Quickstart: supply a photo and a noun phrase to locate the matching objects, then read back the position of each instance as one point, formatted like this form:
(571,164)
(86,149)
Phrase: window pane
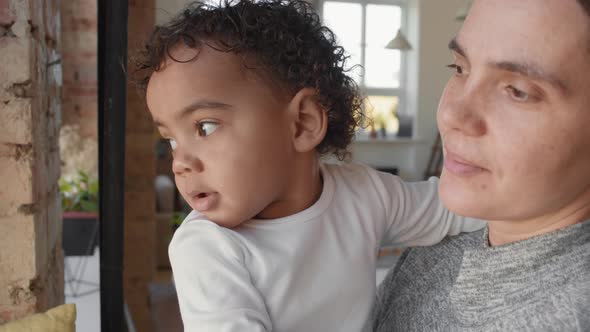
(345,20)
(382,110)
(382,66)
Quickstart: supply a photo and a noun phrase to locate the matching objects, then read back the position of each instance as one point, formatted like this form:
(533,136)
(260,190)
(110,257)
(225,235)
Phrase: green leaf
(65,187)
(79,193)
(89,206)
(93,187)
(177,218)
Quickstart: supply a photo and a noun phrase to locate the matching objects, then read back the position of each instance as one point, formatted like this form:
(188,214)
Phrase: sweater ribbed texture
(462,284)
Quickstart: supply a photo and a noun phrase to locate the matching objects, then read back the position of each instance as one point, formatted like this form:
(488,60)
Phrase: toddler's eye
(172,144)
(206,128)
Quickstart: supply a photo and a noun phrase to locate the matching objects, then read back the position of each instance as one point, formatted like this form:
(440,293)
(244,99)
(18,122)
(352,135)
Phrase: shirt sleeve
(415,215)
(214,287)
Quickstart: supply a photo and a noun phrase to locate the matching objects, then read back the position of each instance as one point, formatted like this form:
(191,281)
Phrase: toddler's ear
(309,120)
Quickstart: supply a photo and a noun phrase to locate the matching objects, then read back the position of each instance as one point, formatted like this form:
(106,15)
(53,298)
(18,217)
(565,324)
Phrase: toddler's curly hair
(286,38)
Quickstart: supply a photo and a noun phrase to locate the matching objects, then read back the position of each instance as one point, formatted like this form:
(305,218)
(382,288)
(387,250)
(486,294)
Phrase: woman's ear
(309,120)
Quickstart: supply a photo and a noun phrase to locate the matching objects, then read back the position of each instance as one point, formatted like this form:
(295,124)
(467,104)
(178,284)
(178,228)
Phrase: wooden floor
(164,304)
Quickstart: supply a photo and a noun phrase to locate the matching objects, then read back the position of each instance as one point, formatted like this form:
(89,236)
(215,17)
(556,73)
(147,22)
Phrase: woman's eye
(517,94)
(458,69)
(206,128)
(172,144)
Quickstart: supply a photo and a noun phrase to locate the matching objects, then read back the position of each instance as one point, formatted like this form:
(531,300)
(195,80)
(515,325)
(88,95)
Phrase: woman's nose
(461,110)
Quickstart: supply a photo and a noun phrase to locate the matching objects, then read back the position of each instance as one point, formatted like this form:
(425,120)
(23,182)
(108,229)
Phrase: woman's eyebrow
(456,47)
(526,69)
(532,71)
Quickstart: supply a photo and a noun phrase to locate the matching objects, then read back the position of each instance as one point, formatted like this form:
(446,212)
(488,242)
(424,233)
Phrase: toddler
(251,95)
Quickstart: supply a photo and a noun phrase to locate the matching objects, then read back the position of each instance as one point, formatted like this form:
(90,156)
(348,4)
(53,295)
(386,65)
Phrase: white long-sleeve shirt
(311,271)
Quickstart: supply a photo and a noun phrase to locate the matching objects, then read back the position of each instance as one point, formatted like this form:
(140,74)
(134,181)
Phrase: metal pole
(112,61)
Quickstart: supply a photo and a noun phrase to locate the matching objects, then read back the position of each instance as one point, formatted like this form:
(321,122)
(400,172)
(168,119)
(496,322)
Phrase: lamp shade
(399,42)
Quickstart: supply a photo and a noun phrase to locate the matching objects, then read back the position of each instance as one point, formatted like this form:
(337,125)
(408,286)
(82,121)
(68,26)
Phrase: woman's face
(515,116)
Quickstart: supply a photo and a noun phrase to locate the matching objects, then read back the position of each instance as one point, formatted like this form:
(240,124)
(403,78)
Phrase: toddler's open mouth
(203,201)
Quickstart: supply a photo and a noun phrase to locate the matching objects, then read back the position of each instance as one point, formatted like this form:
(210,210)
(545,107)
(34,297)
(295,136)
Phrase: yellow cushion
(58,319)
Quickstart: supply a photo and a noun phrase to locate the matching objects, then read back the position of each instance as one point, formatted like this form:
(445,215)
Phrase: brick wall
(31,259)
(79,54)
(79,137)
(140,260)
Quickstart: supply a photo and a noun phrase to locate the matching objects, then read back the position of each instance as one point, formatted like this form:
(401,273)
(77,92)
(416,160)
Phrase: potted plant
(79,198)
(177,219)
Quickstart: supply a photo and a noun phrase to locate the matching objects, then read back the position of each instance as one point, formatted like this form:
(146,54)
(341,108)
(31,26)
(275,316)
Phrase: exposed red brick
(82,23)
(82,90)
(7,15)
(139,190)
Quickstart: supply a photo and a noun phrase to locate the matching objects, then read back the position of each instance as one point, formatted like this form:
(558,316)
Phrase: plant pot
(80,233)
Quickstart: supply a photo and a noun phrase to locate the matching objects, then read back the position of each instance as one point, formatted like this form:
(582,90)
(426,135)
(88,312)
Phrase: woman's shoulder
(437,264)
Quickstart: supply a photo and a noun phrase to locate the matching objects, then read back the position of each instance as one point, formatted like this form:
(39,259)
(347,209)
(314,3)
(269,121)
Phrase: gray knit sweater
(462,284)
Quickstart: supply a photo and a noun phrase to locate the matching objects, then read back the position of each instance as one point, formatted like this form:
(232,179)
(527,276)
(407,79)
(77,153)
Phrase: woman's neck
(504,232)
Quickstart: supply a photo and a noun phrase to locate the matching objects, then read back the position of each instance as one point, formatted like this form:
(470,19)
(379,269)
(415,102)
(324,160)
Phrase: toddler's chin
(223,219)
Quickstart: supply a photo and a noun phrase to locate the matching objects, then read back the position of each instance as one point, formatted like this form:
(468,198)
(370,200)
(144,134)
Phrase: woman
(514,121)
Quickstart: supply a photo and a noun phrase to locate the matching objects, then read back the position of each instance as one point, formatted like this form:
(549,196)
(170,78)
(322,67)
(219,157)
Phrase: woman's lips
(460,166)
(203,201)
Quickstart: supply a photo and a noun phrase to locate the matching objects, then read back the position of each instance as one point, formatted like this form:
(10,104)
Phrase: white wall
(431,24)
(166,9)
(437,26)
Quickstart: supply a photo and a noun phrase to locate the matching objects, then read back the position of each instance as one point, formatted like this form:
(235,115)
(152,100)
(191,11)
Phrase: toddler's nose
(184,163)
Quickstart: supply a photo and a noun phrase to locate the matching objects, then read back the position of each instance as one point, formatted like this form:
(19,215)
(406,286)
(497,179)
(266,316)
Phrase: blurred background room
(50,242)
